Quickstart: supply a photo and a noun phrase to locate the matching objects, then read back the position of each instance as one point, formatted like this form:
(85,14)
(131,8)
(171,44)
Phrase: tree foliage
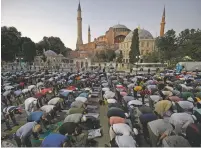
(152,57)
(10,43)
(13,45)
(135,51)
(52,43)
(174,48)
(105,56)
(29,50)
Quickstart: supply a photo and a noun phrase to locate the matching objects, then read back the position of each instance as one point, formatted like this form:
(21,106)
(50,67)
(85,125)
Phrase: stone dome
(50,53)
(143,34)
(119,26)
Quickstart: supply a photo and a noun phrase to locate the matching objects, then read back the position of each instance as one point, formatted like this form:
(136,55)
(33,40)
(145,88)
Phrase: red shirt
(21,83)
(115,120)
(145,92)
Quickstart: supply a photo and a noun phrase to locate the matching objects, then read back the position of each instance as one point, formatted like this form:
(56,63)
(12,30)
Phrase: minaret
(89,35)
(79,27)
(162,24)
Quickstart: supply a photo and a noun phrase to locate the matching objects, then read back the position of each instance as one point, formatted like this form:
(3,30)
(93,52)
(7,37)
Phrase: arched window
(147,44)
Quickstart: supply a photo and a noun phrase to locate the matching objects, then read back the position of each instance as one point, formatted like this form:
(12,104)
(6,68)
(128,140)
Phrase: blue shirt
(54,140)
(25,130)
(145,118)
(35,116)
(83,95)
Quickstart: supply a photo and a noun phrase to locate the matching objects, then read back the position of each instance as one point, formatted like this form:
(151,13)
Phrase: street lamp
(137,57)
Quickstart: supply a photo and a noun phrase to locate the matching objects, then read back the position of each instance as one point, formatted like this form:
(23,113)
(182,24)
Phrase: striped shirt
(9,109)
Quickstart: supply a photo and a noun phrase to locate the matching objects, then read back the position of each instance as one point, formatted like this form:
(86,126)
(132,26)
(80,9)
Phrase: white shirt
(25,90)
(31,87)
(39,84)
(181,121)
(111,100)
(109,94)
(29,103)
(6,93)
(125,141)
(134,102)
(160,126)
(105,89)
(186,105)
(47,108)
(82,99)
(54,101)
(121,128)
(150,87)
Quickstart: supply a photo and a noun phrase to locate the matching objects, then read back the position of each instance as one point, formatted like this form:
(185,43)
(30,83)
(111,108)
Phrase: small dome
(143,34)
(119,26)
(60,55)
(50,53)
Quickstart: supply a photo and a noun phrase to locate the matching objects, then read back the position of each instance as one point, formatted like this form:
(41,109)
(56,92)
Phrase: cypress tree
(135,51)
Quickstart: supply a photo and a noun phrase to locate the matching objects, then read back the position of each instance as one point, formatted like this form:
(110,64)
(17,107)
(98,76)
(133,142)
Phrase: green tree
(102,55)
(110,55)
(152,57)
(10,43)
(52,43)
(167,46)
(29,50)
(135,51)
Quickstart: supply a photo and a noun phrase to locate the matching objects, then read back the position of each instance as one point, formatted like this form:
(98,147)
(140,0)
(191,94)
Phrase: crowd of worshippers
(81,123)
(165,109)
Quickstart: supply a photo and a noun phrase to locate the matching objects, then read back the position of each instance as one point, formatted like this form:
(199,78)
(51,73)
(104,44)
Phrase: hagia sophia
(117,37)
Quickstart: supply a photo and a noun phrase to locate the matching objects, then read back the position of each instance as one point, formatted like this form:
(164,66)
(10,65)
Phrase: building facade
(146,44)
(116,37)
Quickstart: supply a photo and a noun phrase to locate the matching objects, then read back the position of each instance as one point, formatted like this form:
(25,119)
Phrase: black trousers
(27,142)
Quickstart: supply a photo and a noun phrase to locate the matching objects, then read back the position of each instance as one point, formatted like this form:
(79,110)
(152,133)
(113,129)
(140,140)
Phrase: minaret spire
(79,7)
(162,29)
(79,27)
(89,34)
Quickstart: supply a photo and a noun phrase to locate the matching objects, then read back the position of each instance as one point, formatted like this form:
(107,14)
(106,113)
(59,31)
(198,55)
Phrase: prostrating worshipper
(123,141)
(56,140)
(144,120)
(76,111)
(78,104)
(50,110)
(23,134)
(193,134)
(158,130)
(120,129)
(39,117)
(185,106)
(30,105)
(57,102)
(114,111)
(180,121)
(9,112)
(162,107)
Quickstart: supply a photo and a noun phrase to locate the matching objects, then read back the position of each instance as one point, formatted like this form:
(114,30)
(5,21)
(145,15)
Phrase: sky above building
(39,18)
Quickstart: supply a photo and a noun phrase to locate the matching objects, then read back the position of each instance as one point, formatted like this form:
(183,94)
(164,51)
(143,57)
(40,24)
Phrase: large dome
(50,53)
(143,34)
(119,26)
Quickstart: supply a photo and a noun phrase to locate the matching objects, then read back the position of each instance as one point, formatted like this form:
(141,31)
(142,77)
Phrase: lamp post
(137,57)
